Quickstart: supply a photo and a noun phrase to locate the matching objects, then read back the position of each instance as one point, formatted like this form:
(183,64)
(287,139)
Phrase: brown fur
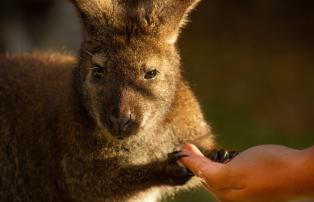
(55,142)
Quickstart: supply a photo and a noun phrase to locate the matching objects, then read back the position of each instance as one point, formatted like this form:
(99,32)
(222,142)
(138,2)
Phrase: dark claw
(221,155)
(233,154)
(175,156)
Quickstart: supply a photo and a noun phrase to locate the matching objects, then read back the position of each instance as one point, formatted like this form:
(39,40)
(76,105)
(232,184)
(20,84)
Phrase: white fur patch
(151,195)
(172,39)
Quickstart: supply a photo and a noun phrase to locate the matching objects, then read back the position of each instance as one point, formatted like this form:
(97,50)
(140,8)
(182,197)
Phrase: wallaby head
(129,67)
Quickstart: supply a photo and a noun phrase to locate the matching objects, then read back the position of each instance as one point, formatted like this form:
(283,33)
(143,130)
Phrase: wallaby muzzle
(121,124)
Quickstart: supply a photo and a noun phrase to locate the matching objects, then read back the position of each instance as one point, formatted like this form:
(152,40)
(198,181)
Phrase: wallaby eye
(151,74)
(98,72)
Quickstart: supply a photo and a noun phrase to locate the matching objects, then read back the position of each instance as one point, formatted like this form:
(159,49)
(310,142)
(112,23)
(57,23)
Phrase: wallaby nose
(121,124)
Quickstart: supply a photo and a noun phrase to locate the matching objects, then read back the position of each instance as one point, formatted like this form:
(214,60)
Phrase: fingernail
(183,155)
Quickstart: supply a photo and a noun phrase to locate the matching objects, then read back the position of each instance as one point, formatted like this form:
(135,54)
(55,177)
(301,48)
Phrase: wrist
(299,174)
(304,175)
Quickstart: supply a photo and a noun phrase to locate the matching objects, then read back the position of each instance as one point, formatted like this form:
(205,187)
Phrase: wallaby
(100,127)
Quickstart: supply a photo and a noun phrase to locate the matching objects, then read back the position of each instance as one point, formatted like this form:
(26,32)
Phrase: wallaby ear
(96,13)
(160,18)
(173,15)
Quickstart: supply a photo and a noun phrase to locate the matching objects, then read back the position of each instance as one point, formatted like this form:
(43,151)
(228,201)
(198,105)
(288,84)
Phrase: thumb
(198,164)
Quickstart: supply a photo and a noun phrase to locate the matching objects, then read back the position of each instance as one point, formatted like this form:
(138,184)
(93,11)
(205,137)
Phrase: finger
(198,164)
(191,149)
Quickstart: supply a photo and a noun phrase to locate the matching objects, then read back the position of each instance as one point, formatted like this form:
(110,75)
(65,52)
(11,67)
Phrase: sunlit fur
(55,142)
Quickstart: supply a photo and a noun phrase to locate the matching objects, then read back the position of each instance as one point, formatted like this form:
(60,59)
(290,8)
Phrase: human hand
(259,174)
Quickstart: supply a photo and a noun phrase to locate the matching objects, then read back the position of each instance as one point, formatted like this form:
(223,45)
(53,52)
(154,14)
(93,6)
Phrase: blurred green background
(250,62)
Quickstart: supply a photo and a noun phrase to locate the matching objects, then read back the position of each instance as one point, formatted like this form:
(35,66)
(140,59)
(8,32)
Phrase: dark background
(250,63)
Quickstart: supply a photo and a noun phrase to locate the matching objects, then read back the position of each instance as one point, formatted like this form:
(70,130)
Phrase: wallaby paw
(177,173)
(221,155)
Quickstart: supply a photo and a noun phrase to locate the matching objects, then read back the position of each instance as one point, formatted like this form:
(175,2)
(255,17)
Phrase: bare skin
(262,173)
